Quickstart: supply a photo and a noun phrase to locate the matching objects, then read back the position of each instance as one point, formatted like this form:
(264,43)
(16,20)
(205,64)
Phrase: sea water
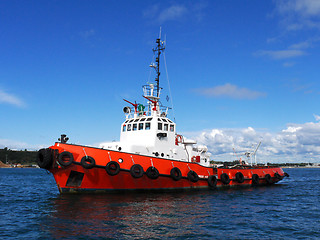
(32,208)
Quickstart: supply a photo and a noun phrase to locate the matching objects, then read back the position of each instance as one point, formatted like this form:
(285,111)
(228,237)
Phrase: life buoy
(268,178)
(255,179)
(193,176)
(178,139)
(45,158)
(278,176)
(65,159)
(136,171)
(225,178)
(152,173)
(88,162)
(175,174)
(193,159)
(112,168)
(212,181)
(239,177)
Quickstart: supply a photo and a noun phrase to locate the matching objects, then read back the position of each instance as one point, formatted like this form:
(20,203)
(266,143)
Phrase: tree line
(23,157)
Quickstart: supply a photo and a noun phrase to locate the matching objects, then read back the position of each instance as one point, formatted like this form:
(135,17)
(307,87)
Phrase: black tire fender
(136,171)
(65,159)
(88,162)
(255,179)
(268,178)
(225,178)
(112,168)
(175,174)
(193,176)
(152,172)
(45,158)
(212,181)
(239,177)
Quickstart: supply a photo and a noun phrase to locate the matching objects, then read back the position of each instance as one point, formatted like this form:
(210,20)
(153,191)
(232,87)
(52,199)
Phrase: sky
(240,72)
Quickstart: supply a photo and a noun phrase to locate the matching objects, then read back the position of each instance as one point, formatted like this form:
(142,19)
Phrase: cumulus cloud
(10,99)
(230,91)
(295,143)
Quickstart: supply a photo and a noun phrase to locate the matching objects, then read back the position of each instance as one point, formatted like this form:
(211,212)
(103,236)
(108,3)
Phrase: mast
(160,47)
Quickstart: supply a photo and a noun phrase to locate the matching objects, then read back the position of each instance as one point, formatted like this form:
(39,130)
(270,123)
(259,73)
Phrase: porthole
(120,160)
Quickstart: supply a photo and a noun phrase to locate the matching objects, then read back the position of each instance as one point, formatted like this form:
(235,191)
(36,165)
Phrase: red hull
(78,178)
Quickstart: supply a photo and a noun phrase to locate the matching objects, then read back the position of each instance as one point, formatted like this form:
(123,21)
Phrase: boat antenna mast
(160,47)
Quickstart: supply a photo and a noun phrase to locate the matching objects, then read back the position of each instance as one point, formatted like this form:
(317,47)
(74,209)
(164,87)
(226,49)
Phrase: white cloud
(172,13)
(281,54)
(10,99)
(88,33)
(295,143)
(230,91)
(299,14)
(13,144)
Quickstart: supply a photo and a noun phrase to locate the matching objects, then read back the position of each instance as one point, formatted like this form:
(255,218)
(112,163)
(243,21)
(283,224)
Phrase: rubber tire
(112,168)
(175,174)
(193,176)
(255,179)
(268,178)
(212,181)
(136,171)
(225,178)
(88,162)
(239,177)
(278,176)
(44,158)
(61,160)
(152,173)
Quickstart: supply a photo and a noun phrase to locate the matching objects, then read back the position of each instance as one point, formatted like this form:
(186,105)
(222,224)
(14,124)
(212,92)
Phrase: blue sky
(240,72)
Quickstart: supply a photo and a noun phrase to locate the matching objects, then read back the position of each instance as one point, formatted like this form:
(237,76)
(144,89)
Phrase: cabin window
(129,127)
(124,128)
(159,126)
(136,120)
(142,119)
(140,126)
(165,127)
(131,121)
(126,121)
(171,128)
(164,120)
(169,121)
(149,119)
(148,126)
(159,120)
(134,127)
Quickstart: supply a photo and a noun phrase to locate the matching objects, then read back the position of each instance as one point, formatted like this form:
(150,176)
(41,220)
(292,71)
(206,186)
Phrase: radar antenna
(160,47)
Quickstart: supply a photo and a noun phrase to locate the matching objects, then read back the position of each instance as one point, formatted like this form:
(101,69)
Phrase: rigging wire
(165,64)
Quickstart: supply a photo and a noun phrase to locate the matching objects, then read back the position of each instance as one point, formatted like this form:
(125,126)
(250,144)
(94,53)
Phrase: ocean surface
(32,208)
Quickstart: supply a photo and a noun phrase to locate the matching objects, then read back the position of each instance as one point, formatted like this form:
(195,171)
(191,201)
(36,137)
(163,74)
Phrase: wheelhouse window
(134,127)
(129,127)
(142,119)
(140,127)
(148,126)
(165,127)
(159,126)
(171,128)
(149,119)
(124,128)
(136,120)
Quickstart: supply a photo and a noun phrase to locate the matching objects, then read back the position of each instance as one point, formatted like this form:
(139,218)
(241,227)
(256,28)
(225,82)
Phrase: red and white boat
(149,156)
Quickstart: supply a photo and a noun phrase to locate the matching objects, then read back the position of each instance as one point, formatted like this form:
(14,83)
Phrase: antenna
(160,47)
(254,153)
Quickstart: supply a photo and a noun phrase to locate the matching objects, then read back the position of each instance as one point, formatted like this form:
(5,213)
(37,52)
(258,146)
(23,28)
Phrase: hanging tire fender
(268,178)
(136,171)
(239,177)
(152,172)
(255,179)
(193,176)
(212,181)
(88,162)
(112,168)
(45,158)
(225,178)
(175,174)
(65,159)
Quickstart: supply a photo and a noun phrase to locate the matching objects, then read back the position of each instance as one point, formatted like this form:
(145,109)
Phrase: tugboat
(149,156)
